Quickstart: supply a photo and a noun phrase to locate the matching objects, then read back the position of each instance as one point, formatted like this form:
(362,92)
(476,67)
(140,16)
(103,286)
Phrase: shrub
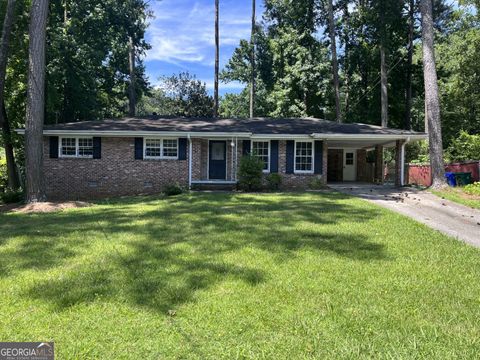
(316,184)
(473,189)
(465,147)
(274,181)
(3,176)
(418,152)
(172,190)
(11,196)
(250,173)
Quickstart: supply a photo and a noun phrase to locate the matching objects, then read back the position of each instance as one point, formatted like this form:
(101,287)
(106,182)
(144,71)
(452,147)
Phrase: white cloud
(182,32)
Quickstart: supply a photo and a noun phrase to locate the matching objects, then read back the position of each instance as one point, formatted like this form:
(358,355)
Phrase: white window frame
(267,170)
(295,158)
(77,147)
(161,157)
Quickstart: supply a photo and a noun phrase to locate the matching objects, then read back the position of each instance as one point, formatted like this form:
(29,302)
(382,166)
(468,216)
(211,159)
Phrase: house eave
(123,133)
(193,134)
(377,137)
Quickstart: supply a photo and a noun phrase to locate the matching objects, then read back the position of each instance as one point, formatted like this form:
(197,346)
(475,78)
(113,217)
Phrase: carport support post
(379,164)
(399,163)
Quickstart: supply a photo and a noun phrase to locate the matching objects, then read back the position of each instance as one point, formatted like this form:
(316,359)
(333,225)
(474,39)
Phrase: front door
(217,160)
(349,165)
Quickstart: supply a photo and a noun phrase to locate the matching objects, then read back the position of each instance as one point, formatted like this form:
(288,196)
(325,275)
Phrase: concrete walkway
(458,221)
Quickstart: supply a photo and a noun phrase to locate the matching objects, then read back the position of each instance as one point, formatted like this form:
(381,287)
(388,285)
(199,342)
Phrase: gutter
(123,133)
(385,137)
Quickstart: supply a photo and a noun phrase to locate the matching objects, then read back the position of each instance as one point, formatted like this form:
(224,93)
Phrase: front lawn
(459,196)
(211,276)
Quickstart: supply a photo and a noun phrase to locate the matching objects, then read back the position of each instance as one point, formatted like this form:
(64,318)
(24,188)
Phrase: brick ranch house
(131,156)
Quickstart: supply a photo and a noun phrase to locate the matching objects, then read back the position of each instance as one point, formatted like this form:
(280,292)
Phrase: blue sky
(182,37)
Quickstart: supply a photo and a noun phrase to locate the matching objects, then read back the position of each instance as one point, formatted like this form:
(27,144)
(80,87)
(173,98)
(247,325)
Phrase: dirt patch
(43,207)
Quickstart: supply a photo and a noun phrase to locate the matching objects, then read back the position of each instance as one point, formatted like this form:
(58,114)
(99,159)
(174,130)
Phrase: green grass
(459,196)
(226,276)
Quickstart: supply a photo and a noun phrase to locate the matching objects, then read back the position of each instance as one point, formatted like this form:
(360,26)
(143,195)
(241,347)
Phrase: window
(76,147)
(161,148)
(303,157)
(261,149)
(348,158)
(85,147)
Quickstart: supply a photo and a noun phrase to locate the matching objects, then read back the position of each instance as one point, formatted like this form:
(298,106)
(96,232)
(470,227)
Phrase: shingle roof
(267,126)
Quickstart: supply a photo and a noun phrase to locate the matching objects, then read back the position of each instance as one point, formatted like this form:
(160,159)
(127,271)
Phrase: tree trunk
(383,70)
(131,86)
(336,83)
(408,95)
(13,180)
(252,60)
(217,54)
(432,101)
(35,102)
(346,16)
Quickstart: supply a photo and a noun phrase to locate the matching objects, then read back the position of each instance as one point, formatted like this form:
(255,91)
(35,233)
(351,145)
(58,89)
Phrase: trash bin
(463,178)
(451,179)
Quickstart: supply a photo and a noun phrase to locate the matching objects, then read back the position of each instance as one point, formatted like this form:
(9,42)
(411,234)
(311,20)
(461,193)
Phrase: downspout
(232,165)
(236,158)
(190,152)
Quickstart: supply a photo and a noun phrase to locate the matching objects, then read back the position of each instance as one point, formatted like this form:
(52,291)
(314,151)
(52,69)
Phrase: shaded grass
(459,196)
(209,276)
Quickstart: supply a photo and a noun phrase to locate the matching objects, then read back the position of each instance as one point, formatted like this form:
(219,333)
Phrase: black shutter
(182,149)
(97,147)
(274,156)
(138,148)
(246,148)
(53,147)
(290,156)
(318,166)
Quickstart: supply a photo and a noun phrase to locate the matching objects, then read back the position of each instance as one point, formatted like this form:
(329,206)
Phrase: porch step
(214,185)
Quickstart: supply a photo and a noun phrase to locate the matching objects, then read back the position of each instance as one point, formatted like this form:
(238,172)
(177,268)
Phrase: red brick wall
(362,165)
(117,173)
(298,181)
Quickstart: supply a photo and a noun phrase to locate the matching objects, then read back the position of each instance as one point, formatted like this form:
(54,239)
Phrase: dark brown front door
(335,165)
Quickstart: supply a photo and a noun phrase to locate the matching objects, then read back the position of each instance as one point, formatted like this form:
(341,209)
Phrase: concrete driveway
(458,221)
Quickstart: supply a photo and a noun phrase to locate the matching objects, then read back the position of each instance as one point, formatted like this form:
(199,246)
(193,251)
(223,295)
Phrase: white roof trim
(194,134)
(369,136)
(124,133)
(281,136)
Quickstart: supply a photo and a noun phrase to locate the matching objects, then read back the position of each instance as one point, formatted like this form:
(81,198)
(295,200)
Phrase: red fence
(420,174)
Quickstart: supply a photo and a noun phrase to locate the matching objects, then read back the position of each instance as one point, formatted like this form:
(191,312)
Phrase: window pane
(348,158)
(153,147)
(68,147)
(303,156)
(260,149)
(170,148)
(218,151)
(85,147)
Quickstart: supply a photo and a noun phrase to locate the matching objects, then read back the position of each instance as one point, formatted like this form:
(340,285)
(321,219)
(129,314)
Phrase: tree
(333,44)
(217,64)
(35,188)
(408,95)
(131,86)
(432,100)
(252,55)
(383,67)
(13,180)
(178,95)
